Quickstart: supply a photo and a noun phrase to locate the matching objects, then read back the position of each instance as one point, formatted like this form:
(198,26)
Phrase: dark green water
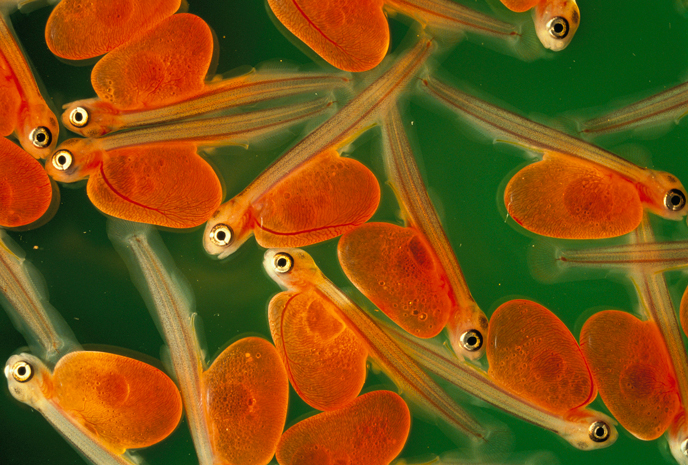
(622,49)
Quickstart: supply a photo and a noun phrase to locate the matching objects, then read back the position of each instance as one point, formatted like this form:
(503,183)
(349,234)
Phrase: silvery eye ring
(598,431)
(684,447)
(471,340)
(22,371)
(78,117)
(41,137)
(282,262)
(221,235)
(675,200)
(558,27)
(62,160)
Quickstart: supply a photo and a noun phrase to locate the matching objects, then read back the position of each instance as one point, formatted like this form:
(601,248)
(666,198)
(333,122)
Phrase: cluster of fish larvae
(156,109)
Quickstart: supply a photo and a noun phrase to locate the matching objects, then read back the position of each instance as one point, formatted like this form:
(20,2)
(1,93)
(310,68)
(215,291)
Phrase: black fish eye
(558,27)
(675,200)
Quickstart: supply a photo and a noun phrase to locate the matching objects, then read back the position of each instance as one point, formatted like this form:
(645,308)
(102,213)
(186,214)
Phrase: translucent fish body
(466,319)
(295,270)
(659,192)
(76,159)
(357,116)
(96,117)
(26,113)
(583,428)
(170,300)
(354,35)
(24,296)
(669,105)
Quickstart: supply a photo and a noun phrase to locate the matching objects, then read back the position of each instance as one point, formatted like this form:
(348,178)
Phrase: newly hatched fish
(243,430)
(24,109)
(155,174)
(97,117)
(296,272)
(412,273)
(656,300)
(561,412)
(641,380)
(578,190)
(102,403)
(556,21)
(235,220)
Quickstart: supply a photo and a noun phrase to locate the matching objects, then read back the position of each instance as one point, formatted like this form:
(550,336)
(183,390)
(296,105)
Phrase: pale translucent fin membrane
(637,384)
(25,298)
(544,262)
(170,300)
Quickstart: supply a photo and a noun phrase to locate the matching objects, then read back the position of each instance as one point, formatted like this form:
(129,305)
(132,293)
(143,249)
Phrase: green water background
(622,49)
